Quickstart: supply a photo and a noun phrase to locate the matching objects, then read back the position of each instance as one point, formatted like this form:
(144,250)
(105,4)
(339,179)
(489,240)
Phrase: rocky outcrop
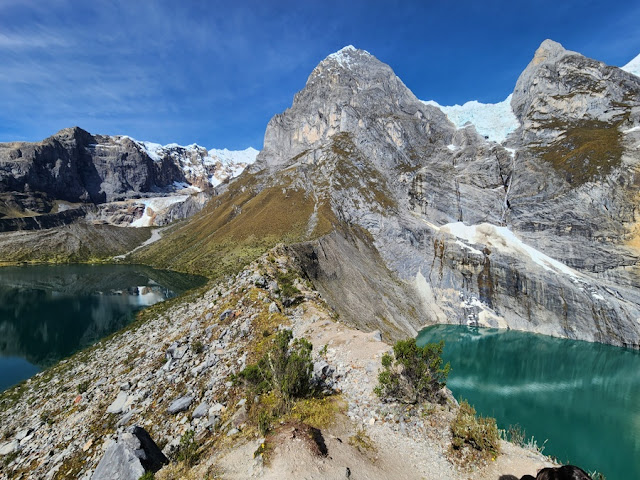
(128,458)
(39,222)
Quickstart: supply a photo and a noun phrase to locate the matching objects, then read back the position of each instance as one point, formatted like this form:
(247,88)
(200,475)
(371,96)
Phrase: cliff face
(537,233)
(76,166)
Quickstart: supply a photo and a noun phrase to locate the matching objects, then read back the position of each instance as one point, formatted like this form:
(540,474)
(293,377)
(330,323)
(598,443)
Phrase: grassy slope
(75,243)
(237,227)
(584,151)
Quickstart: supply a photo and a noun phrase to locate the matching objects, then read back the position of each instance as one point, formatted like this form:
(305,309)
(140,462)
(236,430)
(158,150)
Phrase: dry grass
(236,228)
(585,151)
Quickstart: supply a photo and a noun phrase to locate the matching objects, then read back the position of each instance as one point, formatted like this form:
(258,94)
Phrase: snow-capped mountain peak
(345,55)
(201,167)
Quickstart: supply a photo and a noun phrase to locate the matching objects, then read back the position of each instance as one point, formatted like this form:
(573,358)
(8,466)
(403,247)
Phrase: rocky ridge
(172,373)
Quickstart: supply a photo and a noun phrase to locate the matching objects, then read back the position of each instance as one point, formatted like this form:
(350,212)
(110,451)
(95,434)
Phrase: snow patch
(505,241)
(492,120)
(469,247)
(247,156)
(344,56)
(196,162)
(155,205)
(633,67)
(630,130)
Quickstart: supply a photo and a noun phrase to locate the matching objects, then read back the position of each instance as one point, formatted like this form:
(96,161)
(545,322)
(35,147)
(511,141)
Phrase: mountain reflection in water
(48,312)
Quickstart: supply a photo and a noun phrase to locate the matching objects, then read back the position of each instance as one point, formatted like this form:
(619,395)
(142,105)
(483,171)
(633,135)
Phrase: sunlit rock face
(535,231)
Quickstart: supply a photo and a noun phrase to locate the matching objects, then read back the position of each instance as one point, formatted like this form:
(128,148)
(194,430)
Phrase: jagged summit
(549,51)
(346,55)
(349,60)
(345,93)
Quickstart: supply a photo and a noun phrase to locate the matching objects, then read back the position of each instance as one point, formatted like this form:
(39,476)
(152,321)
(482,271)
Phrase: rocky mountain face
(435,223)
(77,167)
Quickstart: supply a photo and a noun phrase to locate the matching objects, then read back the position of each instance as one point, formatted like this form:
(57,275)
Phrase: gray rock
(322,370)
(118,463)
(212,422)
(9,447)
(128,458)
(376,335)
(119,403)
(273,308)
(240,417)
(23,433)
(225,315)
(180,404)
(259,281)
(126,418)
(201,410)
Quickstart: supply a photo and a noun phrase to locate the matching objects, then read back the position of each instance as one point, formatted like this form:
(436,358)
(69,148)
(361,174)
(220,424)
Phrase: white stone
(9,447)
(118,404)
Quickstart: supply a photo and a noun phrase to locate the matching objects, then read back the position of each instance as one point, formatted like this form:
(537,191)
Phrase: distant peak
(347,54)
(548,50)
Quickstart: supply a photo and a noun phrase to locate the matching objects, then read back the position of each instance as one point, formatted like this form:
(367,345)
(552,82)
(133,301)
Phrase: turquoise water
(583,398)
(49,312)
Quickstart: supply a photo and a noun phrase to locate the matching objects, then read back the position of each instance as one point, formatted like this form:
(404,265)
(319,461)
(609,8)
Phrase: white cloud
(22,40)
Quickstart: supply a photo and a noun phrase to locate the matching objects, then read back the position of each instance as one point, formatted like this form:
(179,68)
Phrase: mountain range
(404,213)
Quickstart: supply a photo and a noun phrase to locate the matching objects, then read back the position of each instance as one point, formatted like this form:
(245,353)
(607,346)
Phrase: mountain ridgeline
(401,219)
(399,212)
(80,168)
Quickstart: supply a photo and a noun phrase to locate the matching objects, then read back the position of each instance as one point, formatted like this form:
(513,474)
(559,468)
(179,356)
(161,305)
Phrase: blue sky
(214,73)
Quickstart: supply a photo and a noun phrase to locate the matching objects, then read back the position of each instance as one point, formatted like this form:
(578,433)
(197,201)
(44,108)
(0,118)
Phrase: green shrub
(188,449)
(413,374)
(198,347)
(286,286)
(147,476)
(285,369)
(83,386)
(480,434)
(264,422)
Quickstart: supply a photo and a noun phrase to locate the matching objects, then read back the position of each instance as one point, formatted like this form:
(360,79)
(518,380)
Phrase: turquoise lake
(49,312)
(583,398)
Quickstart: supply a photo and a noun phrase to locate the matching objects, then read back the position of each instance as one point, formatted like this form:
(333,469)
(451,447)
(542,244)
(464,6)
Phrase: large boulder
(133,454)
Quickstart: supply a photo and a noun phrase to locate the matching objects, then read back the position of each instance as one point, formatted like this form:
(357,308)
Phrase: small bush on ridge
(480,434)
(285,369)
(413,374)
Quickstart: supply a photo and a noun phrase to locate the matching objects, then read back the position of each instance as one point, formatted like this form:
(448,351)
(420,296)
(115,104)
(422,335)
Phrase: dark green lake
(583,398)
(49,312)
